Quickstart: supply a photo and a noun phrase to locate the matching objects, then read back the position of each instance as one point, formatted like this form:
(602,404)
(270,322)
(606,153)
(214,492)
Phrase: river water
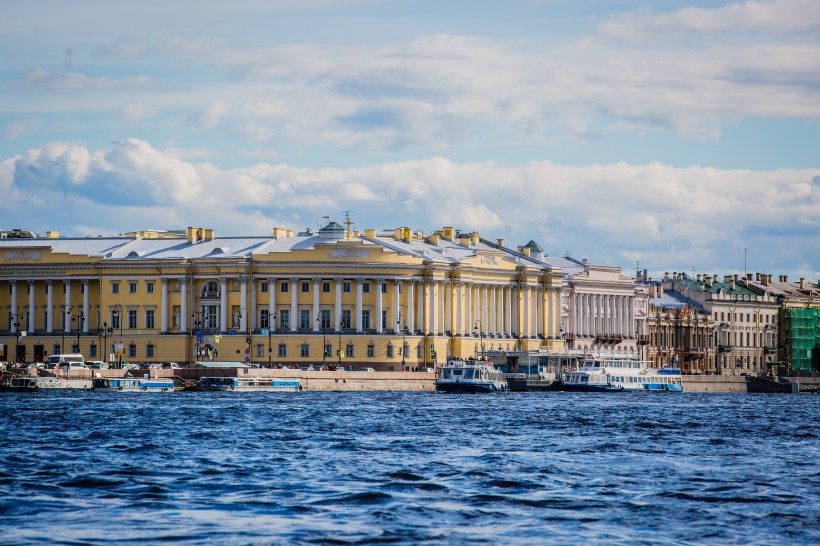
(409,468)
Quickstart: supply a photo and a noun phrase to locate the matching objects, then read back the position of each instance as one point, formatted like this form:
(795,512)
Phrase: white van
(68,361)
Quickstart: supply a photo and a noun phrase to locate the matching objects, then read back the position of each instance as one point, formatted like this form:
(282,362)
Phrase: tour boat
(133,385)
(246,384)
(32,384)
(15,383)
(621,373)
(533,371)
(470,376)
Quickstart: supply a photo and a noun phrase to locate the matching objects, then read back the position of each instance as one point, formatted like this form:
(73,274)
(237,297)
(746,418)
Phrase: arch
(210,289)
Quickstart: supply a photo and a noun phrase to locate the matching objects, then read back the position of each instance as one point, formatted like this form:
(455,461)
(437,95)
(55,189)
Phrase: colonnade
(31,325)
(593,315)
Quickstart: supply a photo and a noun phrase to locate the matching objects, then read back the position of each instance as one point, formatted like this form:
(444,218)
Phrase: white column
(358,311)
(539,312)
(499,310)
(379,306)
(252,311)
(223,304)
(459,309)
(485,322)
(163,310)
(14,319)
(271,304)
(442,308)
(550,318)
(433,314)
(508,309)
(469,319)
(411,305)
(316,308)
(294,307)
(67,308)
(516,326)
(527,312)
(631,315)
(50,319)
(243,302)
(86,306)
(338,310)
(397,326)
(183,304)
(32,316)
(491,310)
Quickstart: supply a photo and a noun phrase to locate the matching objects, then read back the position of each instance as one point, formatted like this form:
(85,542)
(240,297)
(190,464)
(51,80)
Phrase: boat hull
(469,388)
(533,385)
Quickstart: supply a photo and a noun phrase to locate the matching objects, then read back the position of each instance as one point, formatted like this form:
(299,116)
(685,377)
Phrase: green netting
(802,328)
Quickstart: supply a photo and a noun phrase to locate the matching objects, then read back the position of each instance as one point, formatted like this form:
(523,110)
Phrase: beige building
(356,298)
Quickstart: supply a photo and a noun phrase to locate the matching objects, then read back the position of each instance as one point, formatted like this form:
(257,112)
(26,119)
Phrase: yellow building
(362,299)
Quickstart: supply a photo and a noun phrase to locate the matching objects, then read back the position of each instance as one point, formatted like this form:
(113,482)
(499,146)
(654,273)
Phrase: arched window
(210,289)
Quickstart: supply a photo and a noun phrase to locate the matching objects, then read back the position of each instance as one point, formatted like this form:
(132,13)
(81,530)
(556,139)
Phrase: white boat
(245,384)
(470,376)
(621,373)
(128,384)
(32,384)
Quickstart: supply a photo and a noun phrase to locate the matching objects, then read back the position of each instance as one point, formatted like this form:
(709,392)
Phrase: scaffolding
(802,338)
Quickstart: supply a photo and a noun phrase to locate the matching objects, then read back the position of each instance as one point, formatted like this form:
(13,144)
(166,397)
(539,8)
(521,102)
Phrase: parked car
(367,369)
(98,365)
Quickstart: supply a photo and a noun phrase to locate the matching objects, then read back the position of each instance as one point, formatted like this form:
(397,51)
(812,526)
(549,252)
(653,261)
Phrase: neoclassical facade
(357,298)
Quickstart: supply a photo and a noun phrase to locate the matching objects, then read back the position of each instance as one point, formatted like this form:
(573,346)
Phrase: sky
(667,135)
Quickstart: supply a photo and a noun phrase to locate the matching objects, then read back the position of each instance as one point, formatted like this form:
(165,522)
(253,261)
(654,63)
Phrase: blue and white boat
(128,384)
(246,384)
(470,376)
(621,374)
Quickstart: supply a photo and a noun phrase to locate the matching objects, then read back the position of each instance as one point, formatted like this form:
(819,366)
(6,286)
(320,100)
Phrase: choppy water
(409,468)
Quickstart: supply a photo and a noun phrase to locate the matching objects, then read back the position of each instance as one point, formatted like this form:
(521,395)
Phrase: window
(326,287)
(132,287)
(149,350)
(371,351)
(384,319)
(304,318)
(92,350)
(349,350)
(260,350)
(328,349)
(82,288)
(115,320)
(384,288)
(366,319)
(324,314)
(283,350)
(419,355)
(28,289)
(132,319)
(304,350)
(284,318)
(132,350)
(366,287)
(264,319)
(305,286)
(149,319)
(346,318)
(46,289)
(283,286)
(115,288)
(389,351)
(346,287)
(263,287)
(149,287)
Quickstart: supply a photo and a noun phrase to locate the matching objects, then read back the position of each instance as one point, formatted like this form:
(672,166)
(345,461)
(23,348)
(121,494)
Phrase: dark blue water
(409,468)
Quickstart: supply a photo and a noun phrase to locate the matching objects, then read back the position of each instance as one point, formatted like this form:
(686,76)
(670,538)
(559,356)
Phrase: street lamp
(403,343)
(117,312)
(196,325)
(16,325)
(66,312)
(105,331)
(80,318)
(477,328)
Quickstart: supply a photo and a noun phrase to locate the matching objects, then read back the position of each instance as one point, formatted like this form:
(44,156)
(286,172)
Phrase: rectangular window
(366,287)
(149,350)
(384,319)
(419,355)
(349,350)
(132,350)
(389,351)
(28,289)
(264,318)
(46,289)
(82,288)
(92,350)
(346,316)
(365,319)
(132,319)
(346,287)
(283,350)
(263,287)
(384,288)
(304,350)
(260,350)
(326,287)
(115,288)
(371,351)
(115,320)
(149,287)
(283,286)
(284,318)
(305,286)
(324,314)
(328,349)
(149,319)
(304,319)
(132,287)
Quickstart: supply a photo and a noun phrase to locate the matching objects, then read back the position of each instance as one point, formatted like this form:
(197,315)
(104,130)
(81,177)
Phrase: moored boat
(18,384)
(470,376)
(128,384)
(615,373)
(248,384)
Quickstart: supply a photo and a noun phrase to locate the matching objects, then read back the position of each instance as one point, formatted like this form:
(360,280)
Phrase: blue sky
(673,134)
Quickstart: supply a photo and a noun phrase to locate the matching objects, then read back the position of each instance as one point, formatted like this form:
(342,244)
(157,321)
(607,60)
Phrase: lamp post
(477,328)
(80,318)
(105,331)
(403,335)
(66,312)
(339,352)
(17,338)
(196,325)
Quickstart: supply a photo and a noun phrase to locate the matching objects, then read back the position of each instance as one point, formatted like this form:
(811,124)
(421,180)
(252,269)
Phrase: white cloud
(73,81)
(20,127)
(135,111)
(665,216)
